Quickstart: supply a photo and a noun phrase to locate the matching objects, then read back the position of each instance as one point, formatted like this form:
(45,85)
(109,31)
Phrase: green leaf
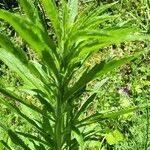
(89,13)
(89,41)
(86,77)
(79,137)
(17,66)
(114,137)
(73,7)
(18,112)
(17,140)
(5,145)
(23,26)
(53,14)
(34,138)
(37,38)
(98,70)
(37,70)
(17,61)
(49,61)
(3,126)
(98,85)
(7,44)
(30,10)
(21,100)
(65,20)
(48,106)
(96,21)
(84,106)
(110,115)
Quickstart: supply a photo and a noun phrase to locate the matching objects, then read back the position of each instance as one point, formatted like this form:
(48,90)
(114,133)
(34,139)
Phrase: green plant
(57,116)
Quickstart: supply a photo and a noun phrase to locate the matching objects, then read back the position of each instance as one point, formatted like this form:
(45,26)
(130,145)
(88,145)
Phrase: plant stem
(59,115)
(58,128)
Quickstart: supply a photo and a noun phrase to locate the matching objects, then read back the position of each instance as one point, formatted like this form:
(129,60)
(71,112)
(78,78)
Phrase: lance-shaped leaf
(5,144)
(31,33)
(89,13)
(6,43)
(17,140)
(73,10)
(98,70)
(14,56)
(78,136)
(85,106)
(18,112)
(32,137)
(18,67)
(65,19)
(96,21)
(23,26)
(16,98)
(53,14)
(92,41)
(110,115)
(30,10)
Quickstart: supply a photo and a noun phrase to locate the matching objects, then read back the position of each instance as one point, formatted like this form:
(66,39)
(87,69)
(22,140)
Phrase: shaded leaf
(17,140)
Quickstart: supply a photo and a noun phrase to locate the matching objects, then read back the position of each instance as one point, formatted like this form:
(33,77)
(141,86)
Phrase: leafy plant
(52,80)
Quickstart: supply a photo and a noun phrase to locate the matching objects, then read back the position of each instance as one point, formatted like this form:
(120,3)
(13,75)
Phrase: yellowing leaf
(110,139)
(114,137)
(124,102)
(138,89)
(146,82)
(118,135)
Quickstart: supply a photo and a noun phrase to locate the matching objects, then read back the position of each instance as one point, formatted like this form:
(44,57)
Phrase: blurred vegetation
(135,77)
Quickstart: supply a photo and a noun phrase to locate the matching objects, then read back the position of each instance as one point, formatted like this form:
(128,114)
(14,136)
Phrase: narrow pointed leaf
(86,77)
(32,137)
(17,140)
(15,97)
(98,70)
(30,10)
(5,145)
(103,38)
(79,137)
(90,13)
(37,38)
(18,112)
(110,115)
(84,106)
(73,10)
(53,14)
(19,67)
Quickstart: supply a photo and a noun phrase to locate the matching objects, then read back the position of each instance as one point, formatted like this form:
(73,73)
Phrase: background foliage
(128,86)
